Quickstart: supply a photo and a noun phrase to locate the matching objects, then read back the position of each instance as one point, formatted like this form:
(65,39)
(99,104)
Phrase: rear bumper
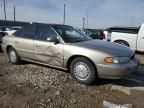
(4,49)
(117,71)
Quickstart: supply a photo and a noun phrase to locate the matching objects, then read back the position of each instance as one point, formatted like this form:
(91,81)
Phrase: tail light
(104,37)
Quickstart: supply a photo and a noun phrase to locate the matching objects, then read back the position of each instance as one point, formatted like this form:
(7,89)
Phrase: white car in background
(12,30)
(132,37)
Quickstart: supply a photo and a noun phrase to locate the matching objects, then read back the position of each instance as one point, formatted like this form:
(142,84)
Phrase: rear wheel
(83,70)
(13,56)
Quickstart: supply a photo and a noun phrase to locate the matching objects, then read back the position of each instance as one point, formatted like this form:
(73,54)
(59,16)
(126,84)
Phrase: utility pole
(4,3)
(1,5)
(14,15)
(83,23)
(64,14)
(87,16)
(4,8)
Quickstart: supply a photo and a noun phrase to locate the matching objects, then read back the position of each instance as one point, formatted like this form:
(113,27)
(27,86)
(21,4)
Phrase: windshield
(70,34)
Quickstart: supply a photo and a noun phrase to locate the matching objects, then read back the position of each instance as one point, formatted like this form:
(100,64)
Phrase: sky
(101,13)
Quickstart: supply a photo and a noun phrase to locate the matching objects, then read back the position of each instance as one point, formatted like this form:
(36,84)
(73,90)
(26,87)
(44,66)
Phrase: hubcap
(13,57)
(81,71)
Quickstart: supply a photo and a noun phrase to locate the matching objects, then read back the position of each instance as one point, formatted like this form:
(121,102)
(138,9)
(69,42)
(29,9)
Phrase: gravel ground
(34,86)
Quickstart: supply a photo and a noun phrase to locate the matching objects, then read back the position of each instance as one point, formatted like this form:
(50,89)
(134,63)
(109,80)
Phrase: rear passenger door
(24,41)
(45,48)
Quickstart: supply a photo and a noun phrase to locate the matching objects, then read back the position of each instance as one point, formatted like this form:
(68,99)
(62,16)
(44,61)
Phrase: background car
(95,33)
(3,32)
(132,37)
(108,31)
(13,29)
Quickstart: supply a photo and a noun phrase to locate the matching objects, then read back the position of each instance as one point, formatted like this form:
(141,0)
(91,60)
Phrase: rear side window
(27,32)
(18,33)
(4,29)
(45,32)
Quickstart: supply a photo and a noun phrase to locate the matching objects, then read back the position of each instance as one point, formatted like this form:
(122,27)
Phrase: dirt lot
(34,86)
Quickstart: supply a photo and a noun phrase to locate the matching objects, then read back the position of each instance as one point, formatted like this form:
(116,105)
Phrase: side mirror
(56,41)
(53,39)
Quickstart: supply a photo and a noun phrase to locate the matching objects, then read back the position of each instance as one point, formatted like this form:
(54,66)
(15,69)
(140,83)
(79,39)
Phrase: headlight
(117,60)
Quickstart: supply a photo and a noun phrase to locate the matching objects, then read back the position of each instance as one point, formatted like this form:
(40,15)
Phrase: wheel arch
(7,48)
(120,40)
(76,56)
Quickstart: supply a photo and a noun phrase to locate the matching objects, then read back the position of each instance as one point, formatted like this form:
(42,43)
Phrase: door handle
(16,42)
(37,45)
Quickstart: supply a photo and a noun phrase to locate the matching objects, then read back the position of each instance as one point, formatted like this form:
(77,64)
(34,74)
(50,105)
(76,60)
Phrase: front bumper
(117,71)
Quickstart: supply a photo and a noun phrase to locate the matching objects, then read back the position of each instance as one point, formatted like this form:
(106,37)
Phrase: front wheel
(83,70)
(13,56)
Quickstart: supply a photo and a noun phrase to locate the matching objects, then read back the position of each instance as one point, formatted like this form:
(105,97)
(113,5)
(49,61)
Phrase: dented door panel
(49,53)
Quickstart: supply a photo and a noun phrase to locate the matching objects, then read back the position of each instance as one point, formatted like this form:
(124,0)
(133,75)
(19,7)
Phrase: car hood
(107,47)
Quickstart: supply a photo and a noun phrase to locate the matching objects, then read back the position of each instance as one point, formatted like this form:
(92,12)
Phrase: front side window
(70,34)
(45,33)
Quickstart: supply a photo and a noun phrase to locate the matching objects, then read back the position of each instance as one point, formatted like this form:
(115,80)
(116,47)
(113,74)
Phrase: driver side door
(45,48)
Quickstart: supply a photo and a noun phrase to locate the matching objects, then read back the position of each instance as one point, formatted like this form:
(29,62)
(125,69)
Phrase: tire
(122,43)
(13,56)
(83,71)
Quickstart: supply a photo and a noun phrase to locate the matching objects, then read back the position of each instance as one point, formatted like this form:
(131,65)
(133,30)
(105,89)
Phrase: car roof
(119,28)
(49,24)
(94,30)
